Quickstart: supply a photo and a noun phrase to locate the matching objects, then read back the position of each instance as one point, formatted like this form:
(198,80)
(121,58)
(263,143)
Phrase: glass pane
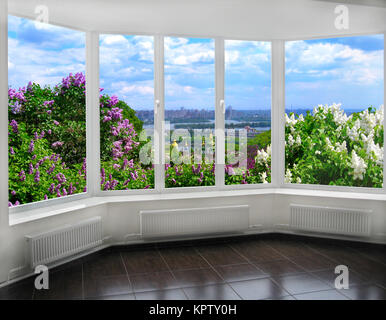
(127,112)
(334,111)
(248,112)
(189,112)
(46,111)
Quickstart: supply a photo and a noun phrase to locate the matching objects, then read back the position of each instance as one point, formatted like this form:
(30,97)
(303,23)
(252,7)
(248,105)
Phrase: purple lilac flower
(31,146)
(57,144)
(48,103)
(30,168)
(22,175)
(13,192)
(16,107)
(45,197)
(11,151)
(14,125)
(37,176)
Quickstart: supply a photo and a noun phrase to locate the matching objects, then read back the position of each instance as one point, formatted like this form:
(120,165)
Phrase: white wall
(230,18)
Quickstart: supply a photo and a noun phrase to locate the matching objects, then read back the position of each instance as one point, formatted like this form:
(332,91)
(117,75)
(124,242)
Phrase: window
(46,111)
(248,112)
(334,111)
(189,112)
(126,112)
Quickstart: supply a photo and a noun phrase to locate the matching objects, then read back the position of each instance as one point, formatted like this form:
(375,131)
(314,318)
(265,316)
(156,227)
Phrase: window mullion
(277,115)
(4,113)
(159,130)
(92,113)
(384,119)
(220,114)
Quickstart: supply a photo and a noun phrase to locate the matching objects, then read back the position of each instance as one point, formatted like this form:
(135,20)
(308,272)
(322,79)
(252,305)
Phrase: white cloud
(113,40)
(334,61)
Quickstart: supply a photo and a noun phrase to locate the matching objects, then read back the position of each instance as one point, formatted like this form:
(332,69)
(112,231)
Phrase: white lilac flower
(329,145)
(290,121)
(264,177)
(288,176)
(358,165)
(291,140)
(263,156)
(318,152)
(353,132)
(298,180)
(298,140)
(341,147)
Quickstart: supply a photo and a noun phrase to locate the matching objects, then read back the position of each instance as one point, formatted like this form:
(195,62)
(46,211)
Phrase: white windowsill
(36,214)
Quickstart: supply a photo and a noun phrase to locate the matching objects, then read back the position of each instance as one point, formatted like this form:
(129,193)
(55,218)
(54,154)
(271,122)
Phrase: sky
(42,56)
(343,70)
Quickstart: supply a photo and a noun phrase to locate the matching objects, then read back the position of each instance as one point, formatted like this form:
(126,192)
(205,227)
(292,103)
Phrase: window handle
(156,106)
(222,106)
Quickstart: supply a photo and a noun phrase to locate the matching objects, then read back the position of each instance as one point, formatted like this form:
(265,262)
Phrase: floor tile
(129,296)
(220,255)
(183,258)
(366,292)
(143,261)
(290,248)
(21,290)
(108,264)
(258,289)
(257,251)
(105,286)
(315,262)
(196,277)
(212,292)
(153,281)
(64,284)
(301,283)
(321,295)
(239,272)
(279,267)
(329,277)
(173,294)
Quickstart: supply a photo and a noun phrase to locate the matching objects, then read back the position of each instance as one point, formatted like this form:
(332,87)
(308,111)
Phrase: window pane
(248,112)
(189,112)
(127,112)
(334,111)
(46,111)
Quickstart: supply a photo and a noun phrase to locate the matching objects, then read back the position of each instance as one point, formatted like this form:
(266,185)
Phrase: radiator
(65,241)
(345,221)
(158,223)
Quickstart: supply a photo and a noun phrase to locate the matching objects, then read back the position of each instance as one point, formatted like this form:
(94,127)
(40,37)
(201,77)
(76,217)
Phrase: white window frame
(92,121)
(302,186)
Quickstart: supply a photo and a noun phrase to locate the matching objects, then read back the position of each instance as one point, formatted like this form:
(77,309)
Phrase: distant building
(228,113)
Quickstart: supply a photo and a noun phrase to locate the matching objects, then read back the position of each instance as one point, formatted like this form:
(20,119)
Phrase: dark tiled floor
(271,266)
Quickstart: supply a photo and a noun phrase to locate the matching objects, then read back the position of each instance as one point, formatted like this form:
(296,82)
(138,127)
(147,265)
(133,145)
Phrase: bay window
(334,111)
(46,112)
(189,112)
(126,112)
(248,112)
(200,94)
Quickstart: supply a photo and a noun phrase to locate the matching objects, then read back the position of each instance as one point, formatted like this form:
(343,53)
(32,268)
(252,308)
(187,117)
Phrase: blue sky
(342,70)
(43,56)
